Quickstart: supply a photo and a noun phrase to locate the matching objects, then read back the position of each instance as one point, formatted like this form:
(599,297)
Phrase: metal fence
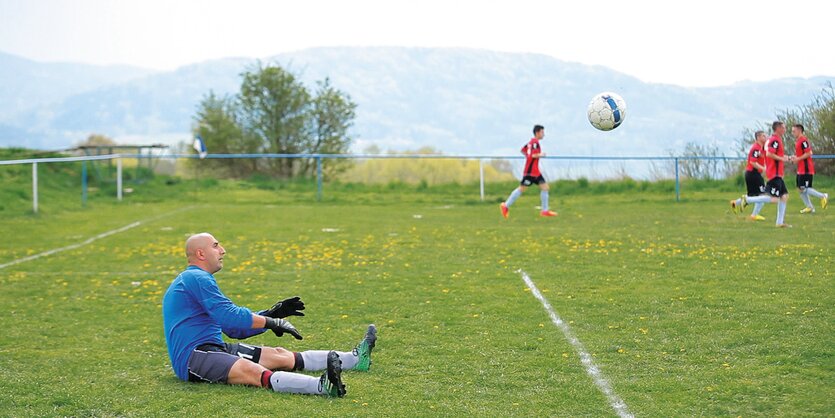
(676,164)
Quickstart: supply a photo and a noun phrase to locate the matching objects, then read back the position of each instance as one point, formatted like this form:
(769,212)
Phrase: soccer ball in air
(607,111)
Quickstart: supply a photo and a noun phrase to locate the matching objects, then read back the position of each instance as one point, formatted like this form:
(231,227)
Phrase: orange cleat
(547,213)
(505,210)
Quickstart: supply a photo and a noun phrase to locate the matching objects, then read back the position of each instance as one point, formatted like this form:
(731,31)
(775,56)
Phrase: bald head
(204,251)
(198,241)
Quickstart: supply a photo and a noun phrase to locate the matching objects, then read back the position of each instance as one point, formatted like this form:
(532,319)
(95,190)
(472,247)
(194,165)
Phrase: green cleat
(825,201)
(330,384)
(364,349)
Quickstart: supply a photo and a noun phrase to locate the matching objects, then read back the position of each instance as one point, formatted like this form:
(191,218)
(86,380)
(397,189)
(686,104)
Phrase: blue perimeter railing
(320,157)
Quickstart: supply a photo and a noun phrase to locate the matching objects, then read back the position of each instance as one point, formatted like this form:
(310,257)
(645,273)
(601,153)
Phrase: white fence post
(35,187)
(119,179)
(481,176)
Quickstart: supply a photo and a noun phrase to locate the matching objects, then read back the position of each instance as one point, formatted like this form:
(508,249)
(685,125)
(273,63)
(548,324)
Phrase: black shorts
(528,180)
(755,183)
(211,362)
(776,187)
(804,181)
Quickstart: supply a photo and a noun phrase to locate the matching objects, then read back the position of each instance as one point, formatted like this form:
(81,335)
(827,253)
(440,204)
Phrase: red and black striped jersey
(802,146)
(531,163)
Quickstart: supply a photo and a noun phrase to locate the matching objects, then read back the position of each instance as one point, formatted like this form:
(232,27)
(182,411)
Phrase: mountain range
(458,101)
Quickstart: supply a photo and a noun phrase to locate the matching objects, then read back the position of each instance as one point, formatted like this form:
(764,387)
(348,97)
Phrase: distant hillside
(26,84)
(456,100)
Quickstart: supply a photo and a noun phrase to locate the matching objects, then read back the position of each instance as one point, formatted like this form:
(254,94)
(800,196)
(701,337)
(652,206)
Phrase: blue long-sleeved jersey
(194,312)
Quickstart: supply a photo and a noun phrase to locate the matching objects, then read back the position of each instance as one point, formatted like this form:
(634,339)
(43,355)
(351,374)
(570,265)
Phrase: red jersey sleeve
(802,146)
(755,155)
(535,149)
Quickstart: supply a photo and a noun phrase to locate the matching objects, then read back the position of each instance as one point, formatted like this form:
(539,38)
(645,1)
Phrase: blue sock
(543,196)
(513,196)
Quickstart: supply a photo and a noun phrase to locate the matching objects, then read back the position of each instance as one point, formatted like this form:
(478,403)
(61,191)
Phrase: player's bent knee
(245,372)
(277,358)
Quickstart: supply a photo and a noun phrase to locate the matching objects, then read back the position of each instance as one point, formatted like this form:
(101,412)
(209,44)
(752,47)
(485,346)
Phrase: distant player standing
(806,170)
(531,174)
(754,179)
(775,164)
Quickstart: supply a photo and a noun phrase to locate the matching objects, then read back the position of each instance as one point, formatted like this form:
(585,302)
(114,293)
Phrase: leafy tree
(274,112)
(822,131)
(274,109)
(331,116)
(217,119)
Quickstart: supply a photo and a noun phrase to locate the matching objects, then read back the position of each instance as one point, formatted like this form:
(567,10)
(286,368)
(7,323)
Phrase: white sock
(757,208)
(543,197)
(781,211)
(759,199)
(315,359)
(815,193)
(349,359)
(295,383)
(513,196)
(318,359)
(804,196)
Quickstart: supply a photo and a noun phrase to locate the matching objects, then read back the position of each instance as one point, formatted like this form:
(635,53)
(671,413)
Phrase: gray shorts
(211,362)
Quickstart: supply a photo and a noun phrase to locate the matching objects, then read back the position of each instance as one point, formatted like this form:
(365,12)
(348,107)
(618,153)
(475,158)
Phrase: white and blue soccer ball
(607,111)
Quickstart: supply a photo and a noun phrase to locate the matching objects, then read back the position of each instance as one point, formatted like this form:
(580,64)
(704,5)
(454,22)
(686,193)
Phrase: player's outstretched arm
(284,308)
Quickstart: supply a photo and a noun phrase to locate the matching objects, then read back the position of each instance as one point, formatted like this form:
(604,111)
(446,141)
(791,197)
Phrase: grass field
(685,309)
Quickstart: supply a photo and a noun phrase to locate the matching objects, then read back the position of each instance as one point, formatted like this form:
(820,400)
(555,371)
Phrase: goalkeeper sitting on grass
(195,312)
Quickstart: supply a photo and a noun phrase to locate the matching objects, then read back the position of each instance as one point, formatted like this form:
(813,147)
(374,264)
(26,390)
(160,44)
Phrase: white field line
(89,240)
(593,371)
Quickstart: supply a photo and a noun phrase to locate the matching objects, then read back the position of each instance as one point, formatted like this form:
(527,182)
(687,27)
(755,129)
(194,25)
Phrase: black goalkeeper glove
(280,326)
(285,308)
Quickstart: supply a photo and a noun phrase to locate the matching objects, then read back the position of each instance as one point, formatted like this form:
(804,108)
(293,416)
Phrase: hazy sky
(696,43)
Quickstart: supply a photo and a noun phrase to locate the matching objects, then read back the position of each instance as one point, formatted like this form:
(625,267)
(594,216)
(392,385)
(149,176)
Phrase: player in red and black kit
(753,178)
(775,164)
(531,174)
(806,170)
